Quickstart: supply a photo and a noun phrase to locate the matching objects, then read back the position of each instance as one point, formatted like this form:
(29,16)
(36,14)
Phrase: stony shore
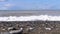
(32,27)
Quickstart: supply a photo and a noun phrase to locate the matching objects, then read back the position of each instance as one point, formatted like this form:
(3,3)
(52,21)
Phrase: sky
(29,4)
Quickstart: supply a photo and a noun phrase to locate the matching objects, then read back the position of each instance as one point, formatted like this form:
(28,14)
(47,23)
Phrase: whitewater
(31,18)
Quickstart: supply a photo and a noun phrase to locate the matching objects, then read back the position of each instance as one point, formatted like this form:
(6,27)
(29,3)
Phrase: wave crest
(31,18)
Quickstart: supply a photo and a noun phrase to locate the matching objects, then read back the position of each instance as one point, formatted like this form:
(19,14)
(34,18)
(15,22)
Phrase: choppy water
(29,15)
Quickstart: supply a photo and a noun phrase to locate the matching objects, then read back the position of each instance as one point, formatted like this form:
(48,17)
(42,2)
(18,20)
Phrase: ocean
(29,12)
(20,15)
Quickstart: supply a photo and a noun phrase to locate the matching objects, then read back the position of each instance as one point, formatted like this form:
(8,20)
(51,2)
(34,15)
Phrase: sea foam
(31,18)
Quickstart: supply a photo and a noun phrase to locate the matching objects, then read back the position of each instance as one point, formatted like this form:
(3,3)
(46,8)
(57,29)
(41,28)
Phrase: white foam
(31,18)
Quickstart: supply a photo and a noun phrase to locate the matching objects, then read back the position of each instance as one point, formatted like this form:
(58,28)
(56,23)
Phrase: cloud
(6,6)
(9,5)
(2,0)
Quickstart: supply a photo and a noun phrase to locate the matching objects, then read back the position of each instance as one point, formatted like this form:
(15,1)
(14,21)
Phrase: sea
(29,12)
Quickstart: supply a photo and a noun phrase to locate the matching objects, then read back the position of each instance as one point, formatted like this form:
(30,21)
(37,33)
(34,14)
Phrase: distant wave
(31,18)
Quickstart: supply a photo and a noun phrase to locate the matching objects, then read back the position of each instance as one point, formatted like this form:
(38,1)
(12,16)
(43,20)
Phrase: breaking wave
(31,18)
